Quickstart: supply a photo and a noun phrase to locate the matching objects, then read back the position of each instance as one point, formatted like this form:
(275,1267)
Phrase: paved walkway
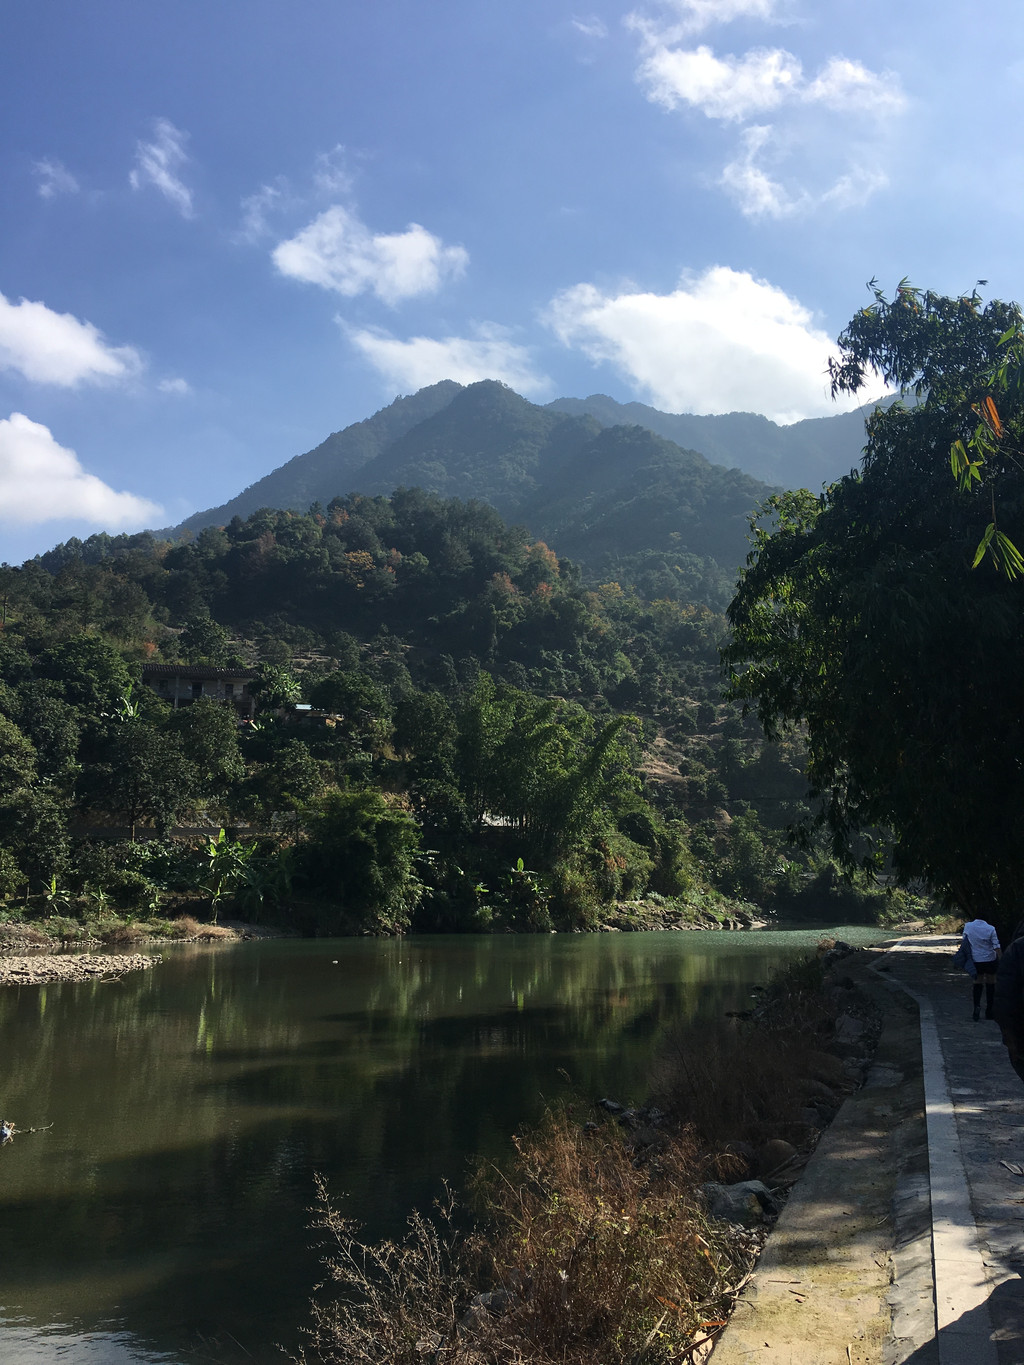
(903,1243)
(975,1114)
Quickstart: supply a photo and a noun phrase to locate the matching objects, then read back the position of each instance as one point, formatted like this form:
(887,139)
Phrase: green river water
(163,1217)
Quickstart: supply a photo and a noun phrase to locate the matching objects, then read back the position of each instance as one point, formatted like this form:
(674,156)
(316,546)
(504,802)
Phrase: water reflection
(163,1216)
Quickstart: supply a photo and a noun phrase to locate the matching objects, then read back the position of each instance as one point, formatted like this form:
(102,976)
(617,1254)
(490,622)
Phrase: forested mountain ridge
(497,744)
(485,441)
(802,455)
(603,495)
(319,474)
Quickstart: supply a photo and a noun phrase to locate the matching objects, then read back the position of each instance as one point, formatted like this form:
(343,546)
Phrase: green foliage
(360,855)
(861,617)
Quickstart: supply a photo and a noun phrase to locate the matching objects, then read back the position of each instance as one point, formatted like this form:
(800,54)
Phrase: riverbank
(29,957)
(42,969)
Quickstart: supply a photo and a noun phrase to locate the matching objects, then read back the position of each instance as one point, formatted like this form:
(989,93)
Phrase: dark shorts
(986,971)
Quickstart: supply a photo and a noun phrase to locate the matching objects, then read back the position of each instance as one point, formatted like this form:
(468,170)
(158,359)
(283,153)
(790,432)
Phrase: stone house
(182,684)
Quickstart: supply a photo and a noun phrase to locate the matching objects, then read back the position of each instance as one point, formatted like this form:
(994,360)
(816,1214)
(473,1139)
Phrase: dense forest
(453,730)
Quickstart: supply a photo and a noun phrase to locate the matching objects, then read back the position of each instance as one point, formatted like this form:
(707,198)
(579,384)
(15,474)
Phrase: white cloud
(729,88)
(158,163)
(257,209)
(849,86)
(733,88)
(338,252)
(43,481)
(420,361)
(722,342)
(57,348)
(331,175)
(757,195)
(689,17)
(175,386)
(54,178)
(816,115)
(591,26)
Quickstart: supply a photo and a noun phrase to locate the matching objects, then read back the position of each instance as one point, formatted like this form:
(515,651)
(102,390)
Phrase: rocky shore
(41,968)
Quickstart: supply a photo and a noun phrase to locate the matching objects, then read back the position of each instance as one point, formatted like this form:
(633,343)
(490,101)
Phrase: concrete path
(903,1243)
(975,1115)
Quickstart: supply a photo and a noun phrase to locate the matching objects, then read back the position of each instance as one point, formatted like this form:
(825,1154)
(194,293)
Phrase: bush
(587,1254)
(360,853)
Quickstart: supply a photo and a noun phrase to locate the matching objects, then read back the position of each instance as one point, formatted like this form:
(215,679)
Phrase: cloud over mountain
(721,342)
(421,361)
(339,252)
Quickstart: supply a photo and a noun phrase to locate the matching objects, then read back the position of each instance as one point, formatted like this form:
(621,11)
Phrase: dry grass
(585,1254)
(591,1249)
(121,936)
(744,1081)
(186,927)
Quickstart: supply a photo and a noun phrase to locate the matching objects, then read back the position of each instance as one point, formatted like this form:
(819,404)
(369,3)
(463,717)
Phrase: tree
(208,734)
(867,615)
(361,854)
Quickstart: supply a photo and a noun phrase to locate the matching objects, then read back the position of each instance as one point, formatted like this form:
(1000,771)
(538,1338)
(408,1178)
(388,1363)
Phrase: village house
(182,684)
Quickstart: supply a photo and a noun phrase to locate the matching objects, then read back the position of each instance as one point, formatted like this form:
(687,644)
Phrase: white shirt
(983,939)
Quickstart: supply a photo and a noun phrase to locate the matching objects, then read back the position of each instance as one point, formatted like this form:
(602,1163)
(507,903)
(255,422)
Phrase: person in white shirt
(984,945)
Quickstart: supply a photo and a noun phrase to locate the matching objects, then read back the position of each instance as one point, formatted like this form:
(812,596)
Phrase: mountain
(601,494)
(485,441)
(804,455)
(329,469)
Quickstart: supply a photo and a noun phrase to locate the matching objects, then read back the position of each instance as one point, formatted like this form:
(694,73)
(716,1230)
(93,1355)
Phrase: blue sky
(230,228)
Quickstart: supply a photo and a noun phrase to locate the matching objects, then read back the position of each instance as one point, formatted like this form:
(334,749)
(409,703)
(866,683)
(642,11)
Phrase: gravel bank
(45,967)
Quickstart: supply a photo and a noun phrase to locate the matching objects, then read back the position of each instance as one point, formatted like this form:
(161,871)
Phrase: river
(164,1216)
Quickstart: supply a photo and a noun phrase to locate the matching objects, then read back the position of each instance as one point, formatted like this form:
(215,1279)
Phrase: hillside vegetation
(622,500)
(501,744)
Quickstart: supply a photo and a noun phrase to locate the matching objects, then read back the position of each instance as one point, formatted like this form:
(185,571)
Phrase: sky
(231,228)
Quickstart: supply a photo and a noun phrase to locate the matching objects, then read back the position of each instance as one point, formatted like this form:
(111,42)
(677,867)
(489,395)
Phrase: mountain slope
(620,499)
(803,455)
(487,443)
(329,469)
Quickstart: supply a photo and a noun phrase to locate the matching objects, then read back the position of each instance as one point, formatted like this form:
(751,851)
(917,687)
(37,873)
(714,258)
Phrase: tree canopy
(886,614)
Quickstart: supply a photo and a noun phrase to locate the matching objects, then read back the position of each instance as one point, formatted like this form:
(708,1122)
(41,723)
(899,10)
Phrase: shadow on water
(168,1206)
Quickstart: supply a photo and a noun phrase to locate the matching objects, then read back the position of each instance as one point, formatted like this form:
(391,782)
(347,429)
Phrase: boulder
(748,1203)
(773,1154)
(611,1106)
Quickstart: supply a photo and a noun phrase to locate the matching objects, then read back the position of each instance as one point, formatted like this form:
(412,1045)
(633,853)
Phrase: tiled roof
(196,671)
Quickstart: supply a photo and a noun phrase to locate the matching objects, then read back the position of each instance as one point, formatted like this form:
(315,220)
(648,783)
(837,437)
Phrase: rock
(824,1066)
(748,1203)
(495,1301)
(849,1029)
(773,1154)
(34,971)
(612,1106)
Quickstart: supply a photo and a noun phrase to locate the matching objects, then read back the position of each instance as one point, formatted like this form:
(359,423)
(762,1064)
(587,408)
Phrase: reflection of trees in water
(191,1104)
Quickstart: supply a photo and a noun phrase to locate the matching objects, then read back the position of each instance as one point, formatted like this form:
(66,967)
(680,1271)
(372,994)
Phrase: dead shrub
(396,1302)
(186,927)
(121,935)
(741,1081)
(600,1255)
(584,1253)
